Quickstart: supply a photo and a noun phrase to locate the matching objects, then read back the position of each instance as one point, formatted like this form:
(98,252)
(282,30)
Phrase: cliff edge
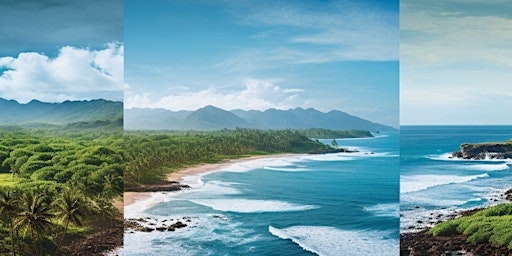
(482,151)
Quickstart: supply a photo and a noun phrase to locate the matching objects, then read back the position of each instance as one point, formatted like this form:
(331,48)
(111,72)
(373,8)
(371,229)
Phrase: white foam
(366,138)
(385,210)
(136,210)
(204,228)
(484,167)
(251,206)
(449,157)
(432,201)
(416,183)
(331,241)
(278,169)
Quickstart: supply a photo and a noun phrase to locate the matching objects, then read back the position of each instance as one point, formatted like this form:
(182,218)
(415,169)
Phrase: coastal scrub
(492,225)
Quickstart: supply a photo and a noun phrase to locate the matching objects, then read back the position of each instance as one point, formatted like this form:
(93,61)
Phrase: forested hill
(213,118)
(37,112)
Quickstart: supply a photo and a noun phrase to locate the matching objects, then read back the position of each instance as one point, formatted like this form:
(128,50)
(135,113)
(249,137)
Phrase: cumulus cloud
(257,94)
(75,73)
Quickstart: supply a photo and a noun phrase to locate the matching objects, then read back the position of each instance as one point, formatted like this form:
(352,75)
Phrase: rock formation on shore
(481,151)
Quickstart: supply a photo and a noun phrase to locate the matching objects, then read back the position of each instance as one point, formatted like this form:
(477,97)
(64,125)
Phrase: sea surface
(432,185)
(332,204)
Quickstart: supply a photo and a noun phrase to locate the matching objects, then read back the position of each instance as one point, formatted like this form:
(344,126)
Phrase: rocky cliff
(491,150)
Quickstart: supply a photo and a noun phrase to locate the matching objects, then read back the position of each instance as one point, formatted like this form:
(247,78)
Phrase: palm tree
(70,208)
(34,217)
(8,211)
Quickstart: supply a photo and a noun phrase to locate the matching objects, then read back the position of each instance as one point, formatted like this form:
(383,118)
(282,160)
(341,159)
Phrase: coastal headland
(481,231)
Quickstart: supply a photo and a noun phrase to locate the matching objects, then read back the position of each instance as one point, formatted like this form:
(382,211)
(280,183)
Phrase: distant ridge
(35,111)
(214,118)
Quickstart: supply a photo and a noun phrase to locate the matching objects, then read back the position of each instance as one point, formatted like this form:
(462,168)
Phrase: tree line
(153,154)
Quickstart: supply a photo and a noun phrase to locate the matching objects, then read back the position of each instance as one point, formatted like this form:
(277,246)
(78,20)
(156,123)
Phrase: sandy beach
(132,197)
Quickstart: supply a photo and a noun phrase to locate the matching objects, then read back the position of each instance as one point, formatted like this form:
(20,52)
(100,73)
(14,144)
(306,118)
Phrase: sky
(343,55)
(57,50)
(456,62)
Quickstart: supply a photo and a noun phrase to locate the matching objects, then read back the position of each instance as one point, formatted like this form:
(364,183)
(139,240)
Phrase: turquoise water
(431,184)
(335,204)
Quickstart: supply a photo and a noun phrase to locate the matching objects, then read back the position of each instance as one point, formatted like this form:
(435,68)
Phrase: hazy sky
(456,62)
(56,50)
(264,54)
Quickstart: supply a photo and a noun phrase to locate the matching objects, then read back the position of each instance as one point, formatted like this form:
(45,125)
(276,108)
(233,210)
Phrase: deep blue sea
(333,204)
(432,184)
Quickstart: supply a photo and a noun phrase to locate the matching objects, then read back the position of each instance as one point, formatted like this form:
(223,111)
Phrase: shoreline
(131,197)
(422,243)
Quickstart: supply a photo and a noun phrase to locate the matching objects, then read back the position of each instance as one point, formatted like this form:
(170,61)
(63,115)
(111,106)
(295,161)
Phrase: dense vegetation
(62,184)
(319,133)
(154,154)
(491,225)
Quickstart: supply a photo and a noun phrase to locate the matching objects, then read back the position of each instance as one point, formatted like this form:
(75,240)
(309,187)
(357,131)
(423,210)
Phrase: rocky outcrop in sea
(482,151)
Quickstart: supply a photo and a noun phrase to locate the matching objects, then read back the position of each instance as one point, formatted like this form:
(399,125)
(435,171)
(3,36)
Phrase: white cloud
(455,65)
(309,34)
(257,94)
(75,73)
(437,38)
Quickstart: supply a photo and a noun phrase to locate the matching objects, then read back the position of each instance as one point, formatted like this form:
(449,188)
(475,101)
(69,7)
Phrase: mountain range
(213,118)
(37,112)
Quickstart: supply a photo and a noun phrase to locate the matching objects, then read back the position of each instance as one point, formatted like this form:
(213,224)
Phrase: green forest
(152,155)
(320,133)
(58,185)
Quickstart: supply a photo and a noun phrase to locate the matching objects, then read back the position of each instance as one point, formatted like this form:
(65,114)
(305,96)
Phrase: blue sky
(455,59)
(56,50)
(264,54)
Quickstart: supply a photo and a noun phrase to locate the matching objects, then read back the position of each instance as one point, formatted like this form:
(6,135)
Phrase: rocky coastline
(423,243)
(483,151)
(167,186)
(149,224)
(332,151)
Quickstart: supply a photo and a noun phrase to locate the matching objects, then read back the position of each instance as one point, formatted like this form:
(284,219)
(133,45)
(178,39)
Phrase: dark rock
(491,150)
(146,229)
(161,228)
(178,224)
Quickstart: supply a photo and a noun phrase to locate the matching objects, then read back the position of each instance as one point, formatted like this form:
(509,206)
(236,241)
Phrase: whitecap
(204,228)
(449,157)
(484,167)
(286,169)
(327,241)
(414,183)
(251,206)
(385,210)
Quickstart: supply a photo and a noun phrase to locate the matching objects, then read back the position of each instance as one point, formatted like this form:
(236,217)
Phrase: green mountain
(153,119)
(213,118)
(37,112)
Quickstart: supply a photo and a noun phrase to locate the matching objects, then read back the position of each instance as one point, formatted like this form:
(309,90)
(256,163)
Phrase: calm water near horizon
(300,205)
(432,184)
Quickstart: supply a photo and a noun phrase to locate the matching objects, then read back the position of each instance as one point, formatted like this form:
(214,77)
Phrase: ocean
(332,204)
(433,186)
